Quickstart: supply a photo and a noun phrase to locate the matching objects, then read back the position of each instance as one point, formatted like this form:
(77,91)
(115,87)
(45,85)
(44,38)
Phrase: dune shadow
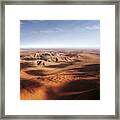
(26,65)
(92,86)
(88,68)
(63,65)
(36,72)
(80,85)
(29,85)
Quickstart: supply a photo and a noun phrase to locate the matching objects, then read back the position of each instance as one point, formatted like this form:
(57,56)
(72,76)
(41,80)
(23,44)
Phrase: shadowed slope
(80,90)
(29,85)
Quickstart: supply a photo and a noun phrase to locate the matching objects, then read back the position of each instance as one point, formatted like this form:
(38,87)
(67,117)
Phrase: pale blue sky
(60,33)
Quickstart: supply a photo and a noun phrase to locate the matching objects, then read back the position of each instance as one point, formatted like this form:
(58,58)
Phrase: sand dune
(74,76)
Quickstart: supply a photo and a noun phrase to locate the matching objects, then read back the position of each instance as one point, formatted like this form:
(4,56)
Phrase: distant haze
(60,33)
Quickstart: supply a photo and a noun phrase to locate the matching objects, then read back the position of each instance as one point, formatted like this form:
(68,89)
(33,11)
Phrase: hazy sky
(60,33)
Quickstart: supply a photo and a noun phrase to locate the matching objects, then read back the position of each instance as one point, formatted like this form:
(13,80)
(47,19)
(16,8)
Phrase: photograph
(60,59)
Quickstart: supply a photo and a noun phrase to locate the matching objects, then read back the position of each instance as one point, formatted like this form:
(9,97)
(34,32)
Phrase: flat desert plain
(59,74)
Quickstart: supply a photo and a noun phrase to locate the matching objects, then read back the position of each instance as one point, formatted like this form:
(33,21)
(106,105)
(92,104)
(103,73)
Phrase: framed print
(59,59)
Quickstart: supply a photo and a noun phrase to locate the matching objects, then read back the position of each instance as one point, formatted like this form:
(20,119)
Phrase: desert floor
(62,74)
